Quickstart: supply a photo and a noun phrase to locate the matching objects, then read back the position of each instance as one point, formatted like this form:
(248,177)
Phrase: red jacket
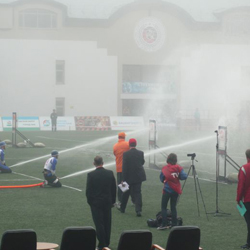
(243,189)
(170,176)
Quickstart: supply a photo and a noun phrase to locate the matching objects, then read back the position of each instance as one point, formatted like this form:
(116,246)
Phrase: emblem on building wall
(149,34)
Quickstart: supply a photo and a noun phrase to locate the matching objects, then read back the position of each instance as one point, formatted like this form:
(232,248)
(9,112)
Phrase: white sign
(63,123)
(28,122)
(152,130)
(23,123)
(7,123)
(222,137)
(126,122)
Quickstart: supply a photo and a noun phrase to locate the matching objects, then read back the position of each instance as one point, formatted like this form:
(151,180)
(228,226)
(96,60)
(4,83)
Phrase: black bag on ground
(157,222)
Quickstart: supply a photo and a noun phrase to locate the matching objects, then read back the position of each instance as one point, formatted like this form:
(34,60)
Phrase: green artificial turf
(49,210)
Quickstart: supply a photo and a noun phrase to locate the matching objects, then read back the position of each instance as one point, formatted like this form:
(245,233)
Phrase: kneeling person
(3,168)
(49,171)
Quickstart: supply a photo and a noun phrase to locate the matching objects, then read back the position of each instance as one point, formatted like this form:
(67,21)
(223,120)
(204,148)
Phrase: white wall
(27,78)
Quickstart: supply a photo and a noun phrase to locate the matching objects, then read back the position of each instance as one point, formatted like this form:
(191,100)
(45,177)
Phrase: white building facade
(158,59)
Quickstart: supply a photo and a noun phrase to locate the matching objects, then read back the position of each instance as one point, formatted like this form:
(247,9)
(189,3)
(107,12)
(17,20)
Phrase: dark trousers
(119,191)
(247,219)
(52,180)
(4,169)
(53,127)
(102,220)
(164,203)
(135,192)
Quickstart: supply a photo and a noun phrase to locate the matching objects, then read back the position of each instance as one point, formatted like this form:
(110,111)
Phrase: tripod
(217,213)
(196,183)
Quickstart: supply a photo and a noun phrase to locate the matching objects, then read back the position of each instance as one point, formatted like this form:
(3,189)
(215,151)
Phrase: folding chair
(22,239)
(182,238)
(134,240)
(78,238)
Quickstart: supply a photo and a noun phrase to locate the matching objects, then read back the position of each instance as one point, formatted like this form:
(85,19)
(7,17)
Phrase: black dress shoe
(245,246)
(138,214)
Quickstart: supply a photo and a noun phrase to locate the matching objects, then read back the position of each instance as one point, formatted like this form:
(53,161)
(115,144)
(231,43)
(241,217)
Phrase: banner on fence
(92,123)
(80,123)
(63,123)
(126,122)
(23,123)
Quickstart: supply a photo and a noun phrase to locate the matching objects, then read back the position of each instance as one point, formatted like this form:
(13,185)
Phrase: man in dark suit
(101,196)
(134,174)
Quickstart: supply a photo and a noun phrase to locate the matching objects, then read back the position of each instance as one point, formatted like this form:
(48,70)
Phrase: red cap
(122,134)
(132,142)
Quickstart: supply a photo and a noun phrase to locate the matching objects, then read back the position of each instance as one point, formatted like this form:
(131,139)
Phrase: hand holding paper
(124,186)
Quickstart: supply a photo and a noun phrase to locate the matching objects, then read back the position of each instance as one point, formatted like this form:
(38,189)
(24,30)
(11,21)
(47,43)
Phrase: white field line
(35,178)
(49,138)
(8,180)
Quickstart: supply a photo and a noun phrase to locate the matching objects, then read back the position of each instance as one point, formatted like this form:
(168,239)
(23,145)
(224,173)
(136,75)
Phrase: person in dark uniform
(53,118)
(134,174)
(101,196)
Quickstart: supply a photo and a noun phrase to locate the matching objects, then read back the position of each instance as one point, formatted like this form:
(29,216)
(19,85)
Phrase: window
(60,106)
(37,18)
(60,72)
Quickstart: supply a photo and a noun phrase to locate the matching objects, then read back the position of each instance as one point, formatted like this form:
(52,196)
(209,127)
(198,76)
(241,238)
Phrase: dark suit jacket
(132,167)
(101,188)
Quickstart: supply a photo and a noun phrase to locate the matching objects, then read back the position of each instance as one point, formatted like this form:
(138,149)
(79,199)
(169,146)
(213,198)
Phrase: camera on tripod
(192,155)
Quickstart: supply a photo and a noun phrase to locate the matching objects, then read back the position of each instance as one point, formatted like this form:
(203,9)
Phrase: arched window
(37,18)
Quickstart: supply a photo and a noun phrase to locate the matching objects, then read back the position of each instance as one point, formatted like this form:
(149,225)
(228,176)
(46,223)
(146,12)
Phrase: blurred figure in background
(53,118)
(197,119)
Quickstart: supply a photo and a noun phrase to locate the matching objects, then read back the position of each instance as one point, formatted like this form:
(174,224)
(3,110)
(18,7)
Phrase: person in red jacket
(118,149)
(171,174)
(243,194)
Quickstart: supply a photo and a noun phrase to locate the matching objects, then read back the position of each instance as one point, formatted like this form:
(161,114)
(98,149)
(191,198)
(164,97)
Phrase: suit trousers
(135,192)
(102,220)
(119,191)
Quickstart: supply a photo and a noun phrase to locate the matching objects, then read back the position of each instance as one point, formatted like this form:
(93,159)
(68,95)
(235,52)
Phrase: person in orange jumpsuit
(118,149)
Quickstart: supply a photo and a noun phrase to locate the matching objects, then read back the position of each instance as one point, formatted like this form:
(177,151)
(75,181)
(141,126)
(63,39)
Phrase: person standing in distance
(170,175)
(118,149)
(3,168)
(53,118)
(101,195)
(49,171)
(134,174)
(243,194)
